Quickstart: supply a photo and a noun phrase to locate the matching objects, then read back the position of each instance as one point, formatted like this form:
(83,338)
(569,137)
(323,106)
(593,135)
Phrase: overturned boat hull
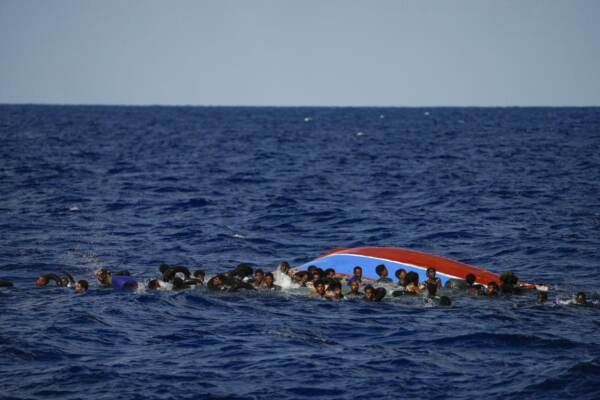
(343,262)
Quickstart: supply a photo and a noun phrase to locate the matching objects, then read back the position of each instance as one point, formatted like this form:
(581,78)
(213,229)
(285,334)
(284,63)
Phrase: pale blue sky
(309,52)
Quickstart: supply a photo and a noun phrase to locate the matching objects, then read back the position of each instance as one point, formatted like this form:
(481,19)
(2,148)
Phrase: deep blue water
(128,187)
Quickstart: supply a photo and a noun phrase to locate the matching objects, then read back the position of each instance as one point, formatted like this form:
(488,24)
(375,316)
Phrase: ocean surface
(131,187)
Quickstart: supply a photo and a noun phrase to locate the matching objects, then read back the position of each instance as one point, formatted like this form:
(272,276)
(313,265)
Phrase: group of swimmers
(326,284)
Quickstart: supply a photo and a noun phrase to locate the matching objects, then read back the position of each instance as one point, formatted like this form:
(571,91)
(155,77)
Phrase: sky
(301,53)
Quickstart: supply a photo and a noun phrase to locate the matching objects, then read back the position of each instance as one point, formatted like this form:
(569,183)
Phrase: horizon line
(42,104)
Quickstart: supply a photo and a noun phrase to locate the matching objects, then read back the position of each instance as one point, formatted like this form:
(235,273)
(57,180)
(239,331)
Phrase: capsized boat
(343,262)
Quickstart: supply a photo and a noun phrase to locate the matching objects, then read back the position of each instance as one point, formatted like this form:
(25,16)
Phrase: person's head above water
(431,272)
(153,284)
(259,275)
(284,267)
(320,287)
(400,274)
(580,298)
(492,289)
(369,293)
(104,277)
(199,275)
(381,270)
(329,273)
(41,281)
(311,269)
(357,272)
(81,286)
(470,279)
(412,277)
(269,279)
(354,286)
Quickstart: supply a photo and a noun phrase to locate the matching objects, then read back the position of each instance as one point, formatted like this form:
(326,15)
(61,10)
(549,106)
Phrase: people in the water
(269,283)
(382,272)
(354,290)
(356,275)
(401,276)
(492,289)
(65,281)
(473,289)
(413,283)
(107,279)
(259,276)
(81,286)
(581,299)
(334,291)
(432,279)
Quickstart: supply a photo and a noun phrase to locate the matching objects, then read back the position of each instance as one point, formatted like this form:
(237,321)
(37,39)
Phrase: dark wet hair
(259,271)
(412,277)
(153,284)
(369,287)
(178,284)
(509,278)
(320,282)
(582,296)
(380,293)
(430,269)
(445,301)
(319,272)
(398,271)
(163,267)
(329,270)
(379,269)
(333,284)
(83,283)
(300,274)
(470,278)
(242,270)
(311,268)
(432,289)
(199,273)
(169,274)
(269,274)
(357,267)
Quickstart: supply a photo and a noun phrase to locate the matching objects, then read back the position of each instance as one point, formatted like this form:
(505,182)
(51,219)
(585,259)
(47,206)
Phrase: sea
(121,187)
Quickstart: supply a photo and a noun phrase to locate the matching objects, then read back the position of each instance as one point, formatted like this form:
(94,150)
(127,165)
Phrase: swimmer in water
(581,299)
(334,291)
(472,288)
(492,289)
(284,267)
(45,279)
(509,281)
(107,280)
(81,286)
(199,276)
(170,273)
(356,275)
(432,279)
(320,288)
(369,293)
(413,283)
(259,277)
(382,271)
(542,296)
(401,276)
(268,283)
(330,273)
(354,290)
(301,278)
